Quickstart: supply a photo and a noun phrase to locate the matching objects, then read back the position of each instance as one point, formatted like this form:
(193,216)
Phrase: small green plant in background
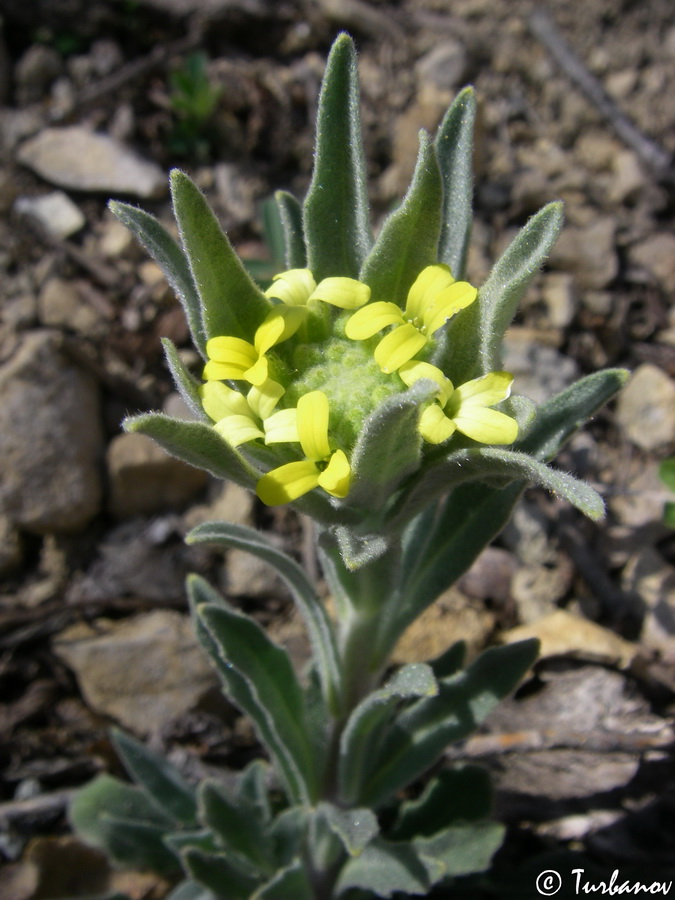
(193,100)
(667,476)
(365,388)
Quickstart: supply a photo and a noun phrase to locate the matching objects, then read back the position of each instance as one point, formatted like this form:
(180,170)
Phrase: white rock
(56,212)
(82,160)
(646,408)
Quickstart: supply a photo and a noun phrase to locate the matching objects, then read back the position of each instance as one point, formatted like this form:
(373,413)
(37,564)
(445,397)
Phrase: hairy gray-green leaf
(462,849)
(385,868)
(312,610)
(219,873)
(290,213)
(473,340)
(171,260)
(232,304)
(336,226)
(242,645)
(291,883)
(454,147)
(162,782)
(355,827)
(364,731)
(421,732)
(188,387)
(190,890)
(195,443)
(237,825)
(408,240)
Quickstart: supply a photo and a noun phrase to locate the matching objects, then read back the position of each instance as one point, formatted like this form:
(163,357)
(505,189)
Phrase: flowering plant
(364,387)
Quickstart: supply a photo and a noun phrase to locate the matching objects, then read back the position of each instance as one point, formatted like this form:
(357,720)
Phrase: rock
(37,69)
(116,239)
(50,438)
(649,575)
(539,371)
(10,547)
(144,671)
(76,158)
(445,66)
(15,125)
(629,178)
(55,212)
(537,588)
(656,254)
(232,503)
(588,252)
(144,479)
(237,193)
(61,306)
(560,298)
(489,578)
(646,408)
(248,576)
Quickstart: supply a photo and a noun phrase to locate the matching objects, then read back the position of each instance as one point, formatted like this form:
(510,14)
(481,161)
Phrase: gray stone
(79,159)
(10,547)
(60,305)
(646,408)
(539,371)
(37,69)
(56,212)
(248,576)
(560,298)
(144,479)
(649,576)
(588,252)
(144,672)
(444,66)
(656,254)
(50,438)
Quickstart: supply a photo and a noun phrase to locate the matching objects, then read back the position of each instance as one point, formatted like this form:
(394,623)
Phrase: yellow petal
(448,302)
(292,287)
(313,425)
(229,357)
(219,401)
(397,347)
(347,293)
(412,371)
(238,429)
(371,319)
(278,326)
(263,398)
(281,427)
(337,476)
(489,426)
(435,427)
(287,482)
(258,373)
(428,284)
(484,391)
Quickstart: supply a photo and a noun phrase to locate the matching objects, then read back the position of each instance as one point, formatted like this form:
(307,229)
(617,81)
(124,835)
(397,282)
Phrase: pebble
(646,408)
(35,71)
(55,211)
(144,672)
(649,576)
(445,66)
(539,371)
(79,159)
(61,306)
(11,551)
(560,298)
(50,438)
(588,252)
(656,254)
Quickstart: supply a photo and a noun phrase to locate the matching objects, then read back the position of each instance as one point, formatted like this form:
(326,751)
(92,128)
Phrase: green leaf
(421,732)
(669,514)
(122,821)
(454,147)
(188,386)
(236,824)
(291,883)
(252,789)
(232,304)
(365,729)
(473,339)
(316,619)
(463,793)
(197,444)
(667,472)
(273,230)
(288,834)
(386,868)
(171,260)
(409,237)
(560,416)
(336,223)
(190,890)
(218,873)
(355,827)
(462,849)
(290,213)
(272,696)
(162,783)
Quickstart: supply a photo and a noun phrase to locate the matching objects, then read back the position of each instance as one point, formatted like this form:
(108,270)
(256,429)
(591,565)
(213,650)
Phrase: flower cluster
(314,407)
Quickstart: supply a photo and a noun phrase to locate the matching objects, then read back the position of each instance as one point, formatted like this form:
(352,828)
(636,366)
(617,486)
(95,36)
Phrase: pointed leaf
(188,387)
(310,607)
(288,834)
(171,260)
(236,825)
(231,302)
(421,732)
(355,827)
(274,232)
(463,849)
(195,443)
(385,868)
(336,224)
(190,890)
(291,883)
(454,147)
(243,647)
(162,782)
(408,240)
(218,873)
(290,212)
(364,731)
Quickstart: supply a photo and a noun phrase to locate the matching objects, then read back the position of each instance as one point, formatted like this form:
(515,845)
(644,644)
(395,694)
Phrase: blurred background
(98,100)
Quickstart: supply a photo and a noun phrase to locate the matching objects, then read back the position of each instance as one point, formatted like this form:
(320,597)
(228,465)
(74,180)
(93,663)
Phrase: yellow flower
(237,418)
(434,298)
(465,408)
(308,424)
(297,287)
(236,359)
